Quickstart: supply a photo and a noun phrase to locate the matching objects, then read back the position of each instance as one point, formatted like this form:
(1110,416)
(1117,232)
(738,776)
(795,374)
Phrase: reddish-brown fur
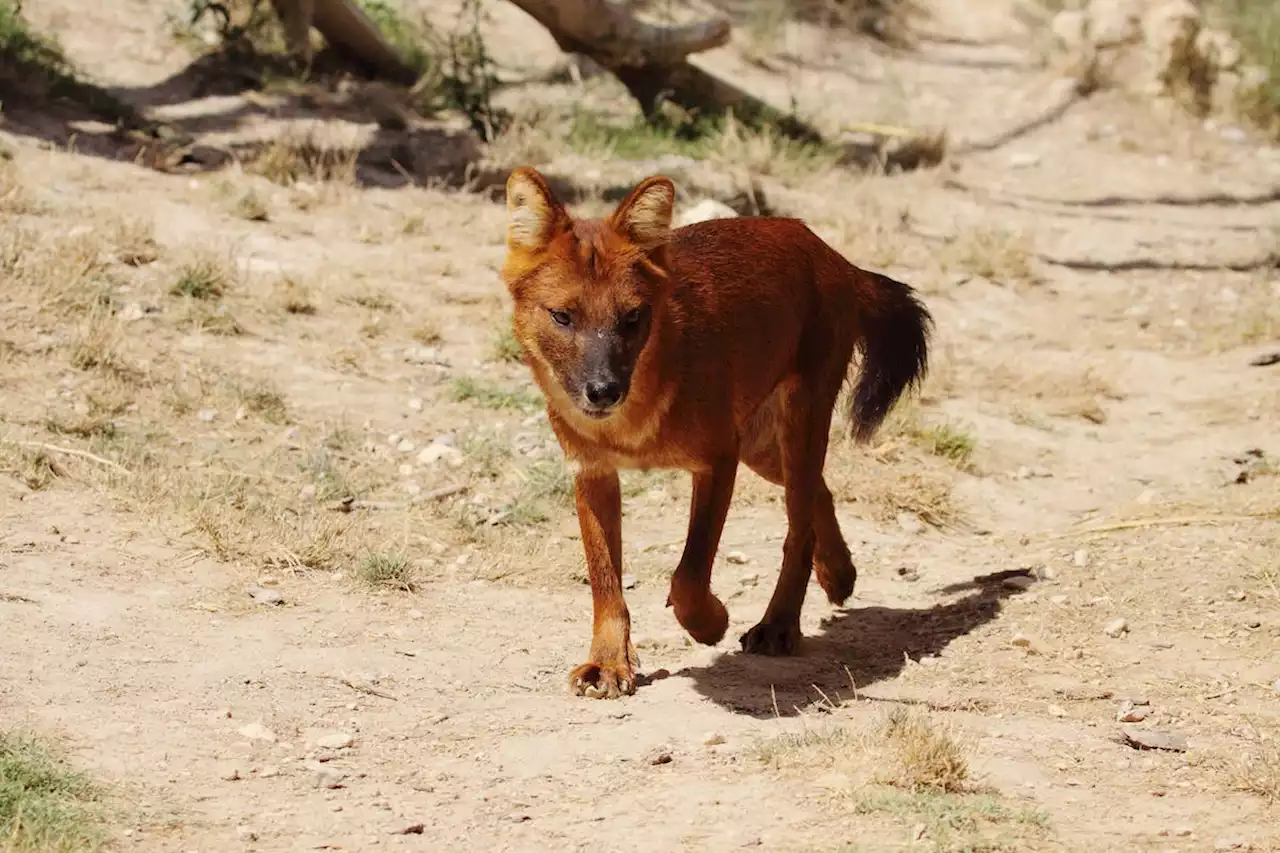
(723,342)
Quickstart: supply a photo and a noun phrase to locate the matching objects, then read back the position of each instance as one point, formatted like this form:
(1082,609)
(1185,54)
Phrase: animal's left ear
(644,216)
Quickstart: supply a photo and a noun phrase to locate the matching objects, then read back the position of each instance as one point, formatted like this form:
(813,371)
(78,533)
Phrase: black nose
(604,393)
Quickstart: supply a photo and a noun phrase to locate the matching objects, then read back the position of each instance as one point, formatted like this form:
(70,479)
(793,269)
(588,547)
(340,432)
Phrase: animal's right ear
(534,215)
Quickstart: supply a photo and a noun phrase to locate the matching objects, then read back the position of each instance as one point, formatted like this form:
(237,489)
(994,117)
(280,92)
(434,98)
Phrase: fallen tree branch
(82,454)
(1269,260)
(614,39)
(1210,198)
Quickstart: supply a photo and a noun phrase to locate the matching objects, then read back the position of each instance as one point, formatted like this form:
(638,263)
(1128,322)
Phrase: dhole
(698,348)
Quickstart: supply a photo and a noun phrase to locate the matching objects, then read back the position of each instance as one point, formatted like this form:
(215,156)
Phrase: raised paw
(771,638)
(603,681)
(706,619)
(836,575)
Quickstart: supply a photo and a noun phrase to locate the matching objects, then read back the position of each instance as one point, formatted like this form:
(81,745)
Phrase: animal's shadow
(856,648)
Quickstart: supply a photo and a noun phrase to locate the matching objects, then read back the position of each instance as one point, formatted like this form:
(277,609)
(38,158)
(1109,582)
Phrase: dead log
(348,30)
(652,60)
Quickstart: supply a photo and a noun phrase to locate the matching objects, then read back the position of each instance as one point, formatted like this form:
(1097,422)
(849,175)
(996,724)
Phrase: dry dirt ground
(240,357)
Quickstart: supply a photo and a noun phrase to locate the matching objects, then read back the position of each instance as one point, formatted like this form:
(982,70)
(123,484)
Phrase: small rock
(1022,641)
(132,312)
(438,451)
(257,731)
(1080,558)
(518,817)
(1275,686)
(335,740)
(1229,844)
(660,758)
(1018,582)
(1023,160)
(415,404)
(628,581)
(1116,628)
(1131,713)
(207,415)
(246,833)
(268,771)
(910,523)
(262,595)
(737,558)
(1167,741)
(229,773)
(1236,595)
(411,829)
(713,739)
(908,574)
(749,580)
(330,778)
(1057,711)
(405,446)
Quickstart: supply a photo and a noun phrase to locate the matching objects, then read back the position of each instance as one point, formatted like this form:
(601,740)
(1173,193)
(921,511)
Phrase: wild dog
(697,348)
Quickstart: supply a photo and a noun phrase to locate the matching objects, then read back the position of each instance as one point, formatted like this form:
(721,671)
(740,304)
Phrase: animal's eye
(632,317)
(562,318)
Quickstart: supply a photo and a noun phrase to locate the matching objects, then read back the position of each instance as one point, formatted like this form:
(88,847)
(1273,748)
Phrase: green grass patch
(45,805)
(388,571)
(468,390)
(1256,24)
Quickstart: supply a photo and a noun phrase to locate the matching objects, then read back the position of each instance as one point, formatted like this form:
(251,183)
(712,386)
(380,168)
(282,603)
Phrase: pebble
(246,833)
(438,451)
(335,740)
(1023,159)
(262,595)
(660,758)
(737,558)
(713,739)
(910,523)
(1131,713)
(257,731)
(405,446)
(1022,641)
(330,778)
(229,773)
(1168,741)
(628,581)
(1116,628)
(1229,844)
(415,404)
(907,573)
(268,771)
(1057,711)
(1080,558)
(207,415)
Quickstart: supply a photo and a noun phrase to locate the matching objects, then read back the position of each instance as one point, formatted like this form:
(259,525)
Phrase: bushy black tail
(895,351)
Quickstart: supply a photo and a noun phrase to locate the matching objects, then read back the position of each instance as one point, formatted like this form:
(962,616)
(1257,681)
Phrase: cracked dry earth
(1108,408)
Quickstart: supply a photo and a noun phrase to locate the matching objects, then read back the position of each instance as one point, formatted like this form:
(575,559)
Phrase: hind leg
(832,562)
(803,420)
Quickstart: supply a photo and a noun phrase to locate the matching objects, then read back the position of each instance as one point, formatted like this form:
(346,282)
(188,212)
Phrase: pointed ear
(534,215)
(644,216)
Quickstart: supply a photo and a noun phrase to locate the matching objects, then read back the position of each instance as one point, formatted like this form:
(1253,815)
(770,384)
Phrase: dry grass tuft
(207,276)
(1259,774)
(388,571)
(302,155)
(250,207)
(927,756)
(135,242)
(14,198)
(294,297)
(995,254)
(33,467)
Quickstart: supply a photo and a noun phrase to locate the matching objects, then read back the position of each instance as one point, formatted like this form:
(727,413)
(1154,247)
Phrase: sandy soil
(1095,352)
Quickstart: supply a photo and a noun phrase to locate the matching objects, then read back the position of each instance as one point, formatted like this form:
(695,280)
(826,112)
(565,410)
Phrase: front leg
(610,670)
(696,607)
